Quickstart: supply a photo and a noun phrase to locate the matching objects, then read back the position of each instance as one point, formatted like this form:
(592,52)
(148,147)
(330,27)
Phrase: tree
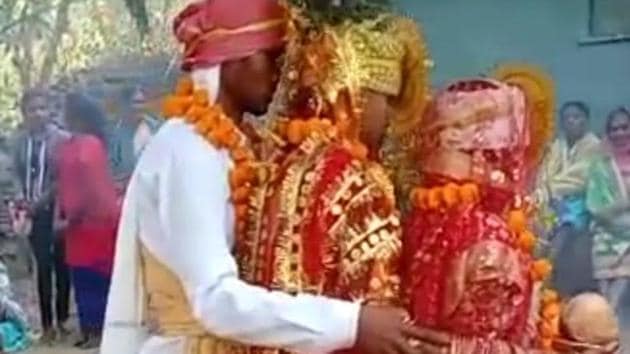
(42,40)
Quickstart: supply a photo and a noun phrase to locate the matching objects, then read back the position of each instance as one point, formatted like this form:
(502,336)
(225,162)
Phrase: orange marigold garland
(219,130)
(445,196)
(297,130)
(549,322)
(549,315)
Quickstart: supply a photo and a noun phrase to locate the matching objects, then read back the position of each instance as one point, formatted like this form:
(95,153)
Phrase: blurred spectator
(15,334)
(130,134)
(88,202)
(609,202)
(15,251)
(34,147)
(562,185)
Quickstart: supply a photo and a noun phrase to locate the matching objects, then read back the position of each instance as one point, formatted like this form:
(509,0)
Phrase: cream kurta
(177,206)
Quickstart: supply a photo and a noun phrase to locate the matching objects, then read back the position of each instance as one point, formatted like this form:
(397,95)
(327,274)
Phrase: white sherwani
(177,206)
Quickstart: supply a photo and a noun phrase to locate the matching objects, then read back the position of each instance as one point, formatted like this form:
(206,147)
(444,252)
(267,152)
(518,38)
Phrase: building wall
(469,37)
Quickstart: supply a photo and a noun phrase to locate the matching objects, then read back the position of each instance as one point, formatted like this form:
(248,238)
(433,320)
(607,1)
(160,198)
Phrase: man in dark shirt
(34,149)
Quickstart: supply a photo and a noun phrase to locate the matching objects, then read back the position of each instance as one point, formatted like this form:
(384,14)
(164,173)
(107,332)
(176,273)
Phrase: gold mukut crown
(380,54)
(386,54)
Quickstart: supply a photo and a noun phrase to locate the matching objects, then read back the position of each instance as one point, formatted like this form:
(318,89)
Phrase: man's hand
(384,330)
(429,341)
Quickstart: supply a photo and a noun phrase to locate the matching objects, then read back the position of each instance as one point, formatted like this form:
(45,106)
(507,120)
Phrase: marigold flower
(419,198)
(241,194)
(200,98)
(527,241)
(551,311)
(545,329)
(223,132)
(450,194)
(184,86)
(296,131)
(240,155)
(469,193)
(194,112)
(550,296)
(174,106)
(358,151)
(433,198)
(517,221)
(233,140)
(541,269)
(241,174)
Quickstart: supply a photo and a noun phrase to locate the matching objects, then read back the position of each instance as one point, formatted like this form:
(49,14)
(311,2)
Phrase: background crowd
(66,168)
(63,175)
(585,181)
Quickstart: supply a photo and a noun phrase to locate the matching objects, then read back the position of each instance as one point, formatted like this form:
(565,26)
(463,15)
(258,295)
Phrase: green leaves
(95,32)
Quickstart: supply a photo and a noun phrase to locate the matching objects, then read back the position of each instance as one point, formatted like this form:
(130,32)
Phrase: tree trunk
(61,26)
(23,54)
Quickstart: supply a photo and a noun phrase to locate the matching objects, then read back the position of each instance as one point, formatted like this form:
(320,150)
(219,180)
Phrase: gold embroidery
(363,241)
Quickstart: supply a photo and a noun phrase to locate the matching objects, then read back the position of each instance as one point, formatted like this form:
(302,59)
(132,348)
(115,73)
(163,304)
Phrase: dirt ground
(57,350)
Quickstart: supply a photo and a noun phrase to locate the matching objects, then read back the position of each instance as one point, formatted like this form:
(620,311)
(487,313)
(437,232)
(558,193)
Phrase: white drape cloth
(177,206)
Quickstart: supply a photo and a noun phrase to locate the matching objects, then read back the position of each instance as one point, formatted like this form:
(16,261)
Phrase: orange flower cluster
(548,325)
(446,196)
(517,223)
(220,131)
(526,241)
(297,130)
(549,322)
(541,269)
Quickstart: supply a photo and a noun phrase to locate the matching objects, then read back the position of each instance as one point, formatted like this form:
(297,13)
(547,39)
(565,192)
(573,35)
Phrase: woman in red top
(89,204)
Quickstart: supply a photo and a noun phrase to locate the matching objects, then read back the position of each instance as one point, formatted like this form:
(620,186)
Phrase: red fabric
(317,225)
(88,200)
(433,243)
(91,246)
(208,29)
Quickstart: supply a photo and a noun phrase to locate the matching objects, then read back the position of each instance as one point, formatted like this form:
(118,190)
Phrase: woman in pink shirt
(88,202)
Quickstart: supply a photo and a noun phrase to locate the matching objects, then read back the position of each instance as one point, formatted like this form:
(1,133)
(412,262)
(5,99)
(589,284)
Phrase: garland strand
(219,130)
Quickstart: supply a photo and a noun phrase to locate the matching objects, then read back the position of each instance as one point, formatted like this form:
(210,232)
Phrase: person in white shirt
(146,124)
(175,286)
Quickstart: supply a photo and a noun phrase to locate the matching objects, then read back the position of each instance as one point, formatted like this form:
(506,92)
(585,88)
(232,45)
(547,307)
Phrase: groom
(174,267)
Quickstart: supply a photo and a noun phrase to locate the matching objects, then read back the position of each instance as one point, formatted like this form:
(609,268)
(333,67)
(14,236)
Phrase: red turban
(214,31)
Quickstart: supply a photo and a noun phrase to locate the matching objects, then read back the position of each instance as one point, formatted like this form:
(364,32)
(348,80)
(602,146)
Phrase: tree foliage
(43,40)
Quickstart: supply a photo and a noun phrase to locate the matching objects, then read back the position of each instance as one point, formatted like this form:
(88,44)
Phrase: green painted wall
(467,37)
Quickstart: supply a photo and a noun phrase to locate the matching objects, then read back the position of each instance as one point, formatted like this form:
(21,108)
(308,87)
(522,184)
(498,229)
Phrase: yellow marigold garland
(219,130)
